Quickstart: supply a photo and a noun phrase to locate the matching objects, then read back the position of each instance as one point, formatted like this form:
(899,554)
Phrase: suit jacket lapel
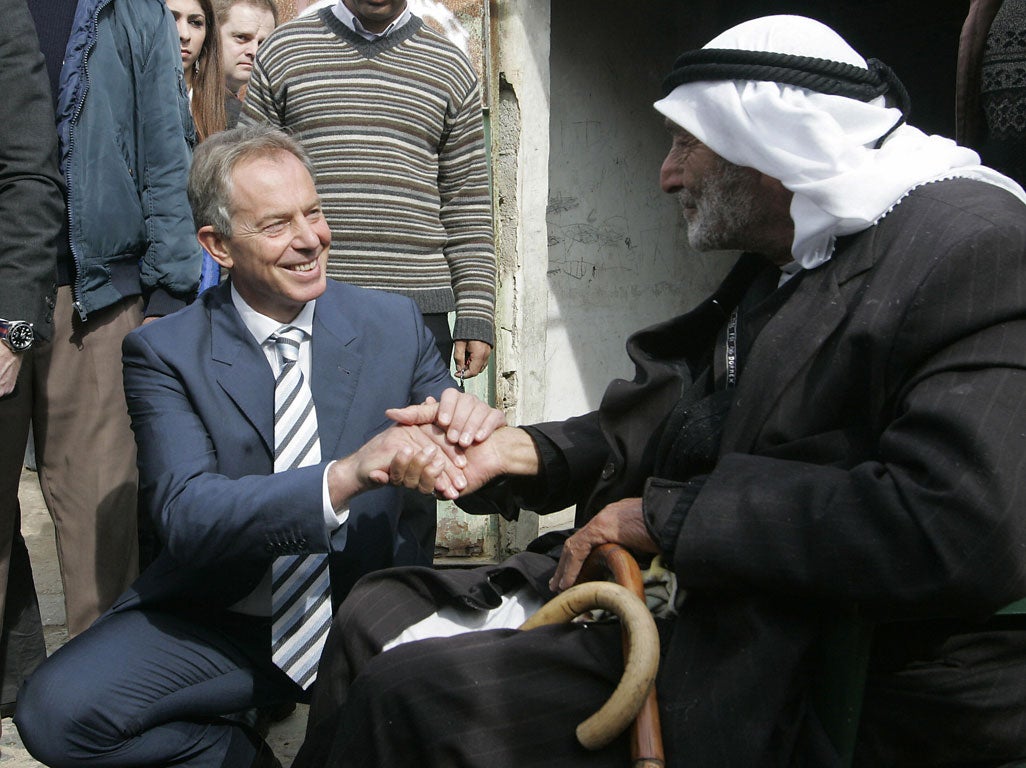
(790,339)
(240,366)
(337,365)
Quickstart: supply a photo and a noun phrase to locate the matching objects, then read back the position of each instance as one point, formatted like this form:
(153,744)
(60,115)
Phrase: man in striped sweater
(390,113)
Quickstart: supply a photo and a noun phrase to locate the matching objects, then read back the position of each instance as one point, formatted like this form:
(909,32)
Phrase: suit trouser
(505,699)
(497,698)
(145,687)
(733,686)
(22,648)
(85,452)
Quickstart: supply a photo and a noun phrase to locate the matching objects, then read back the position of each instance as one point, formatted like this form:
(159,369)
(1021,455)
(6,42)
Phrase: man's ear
(216,245)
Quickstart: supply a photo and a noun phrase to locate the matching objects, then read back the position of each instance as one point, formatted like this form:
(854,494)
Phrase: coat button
(609,470)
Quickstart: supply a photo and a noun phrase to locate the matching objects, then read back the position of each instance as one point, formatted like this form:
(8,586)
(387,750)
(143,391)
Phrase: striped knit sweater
(394,129)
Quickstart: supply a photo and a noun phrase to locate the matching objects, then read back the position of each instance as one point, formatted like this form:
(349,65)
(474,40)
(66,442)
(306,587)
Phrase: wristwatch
(17,334)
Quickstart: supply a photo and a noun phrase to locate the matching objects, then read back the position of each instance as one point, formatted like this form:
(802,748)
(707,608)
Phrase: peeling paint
(456,538)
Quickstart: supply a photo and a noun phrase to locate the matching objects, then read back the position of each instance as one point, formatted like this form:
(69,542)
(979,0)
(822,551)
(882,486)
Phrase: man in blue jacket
(129,251)
(260,415)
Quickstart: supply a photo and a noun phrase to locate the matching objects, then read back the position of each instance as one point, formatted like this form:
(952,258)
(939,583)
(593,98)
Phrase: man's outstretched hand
(473,436)
(464,419)
(406,456)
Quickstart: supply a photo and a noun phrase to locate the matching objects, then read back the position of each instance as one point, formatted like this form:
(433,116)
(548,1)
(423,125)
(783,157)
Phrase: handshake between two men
(458,444)
(257,440)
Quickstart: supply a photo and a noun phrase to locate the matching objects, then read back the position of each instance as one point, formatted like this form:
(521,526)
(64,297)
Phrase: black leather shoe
(275,713)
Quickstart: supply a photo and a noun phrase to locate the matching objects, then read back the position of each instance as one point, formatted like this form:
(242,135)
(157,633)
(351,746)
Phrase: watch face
(20,336)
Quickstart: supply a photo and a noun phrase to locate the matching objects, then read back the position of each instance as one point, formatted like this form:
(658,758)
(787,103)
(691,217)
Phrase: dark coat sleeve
(970,126)
(31,202)
(170,268)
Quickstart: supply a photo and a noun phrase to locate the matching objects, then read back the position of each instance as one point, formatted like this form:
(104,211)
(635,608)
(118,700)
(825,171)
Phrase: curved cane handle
(641,658)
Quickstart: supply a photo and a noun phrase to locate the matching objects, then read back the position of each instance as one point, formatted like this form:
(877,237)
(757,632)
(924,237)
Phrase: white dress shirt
(258,602)
(343,14)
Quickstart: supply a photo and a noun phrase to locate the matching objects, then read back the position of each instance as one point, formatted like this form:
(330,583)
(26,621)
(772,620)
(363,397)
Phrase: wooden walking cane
(633,702)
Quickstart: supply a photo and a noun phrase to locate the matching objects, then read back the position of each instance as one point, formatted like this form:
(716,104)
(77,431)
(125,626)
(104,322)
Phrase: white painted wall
(617,250)
(618,258)
(520,147)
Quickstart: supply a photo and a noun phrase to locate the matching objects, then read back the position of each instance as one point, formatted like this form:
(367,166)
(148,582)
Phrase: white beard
(723,211)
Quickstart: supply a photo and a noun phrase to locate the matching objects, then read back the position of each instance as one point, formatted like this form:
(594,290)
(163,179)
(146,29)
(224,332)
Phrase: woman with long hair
(201,61)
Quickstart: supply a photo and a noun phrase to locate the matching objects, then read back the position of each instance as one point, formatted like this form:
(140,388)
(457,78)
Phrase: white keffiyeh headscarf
(821,147)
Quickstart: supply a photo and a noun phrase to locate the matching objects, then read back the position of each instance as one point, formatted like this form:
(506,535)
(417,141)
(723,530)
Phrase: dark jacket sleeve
(970,127)
(571,455)
(31,202)
(170,268)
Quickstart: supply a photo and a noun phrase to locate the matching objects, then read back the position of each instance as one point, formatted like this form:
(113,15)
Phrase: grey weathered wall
(617,252)
(617,255)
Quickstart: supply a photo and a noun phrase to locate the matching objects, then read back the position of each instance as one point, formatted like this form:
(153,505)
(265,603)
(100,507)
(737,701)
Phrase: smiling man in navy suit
(266,461)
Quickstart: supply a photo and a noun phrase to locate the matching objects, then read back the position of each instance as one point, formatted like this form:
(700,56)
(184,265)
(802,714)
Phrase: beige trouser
(85,452)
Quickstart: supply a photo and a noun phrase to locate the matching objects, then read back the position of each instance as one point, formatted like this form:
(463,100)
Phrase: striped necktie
(300,587)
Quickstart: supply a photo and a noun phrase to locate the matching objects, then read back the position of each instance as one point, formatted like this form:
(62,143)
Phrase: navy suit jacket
(201,396)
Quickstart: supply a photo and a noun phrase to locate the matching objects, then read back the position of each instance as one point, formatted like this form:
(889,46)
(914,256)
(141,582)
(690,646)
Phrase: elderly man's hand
(504,451)
(507,451)
(620,523)
(463,418)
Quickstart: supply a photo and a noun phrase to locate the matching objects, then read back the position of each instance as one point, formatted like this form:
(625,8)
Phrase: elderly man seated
(842,423)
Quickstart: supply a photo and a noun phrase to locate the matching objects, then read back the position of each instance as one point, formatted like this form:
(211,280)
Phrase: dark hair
(208,88)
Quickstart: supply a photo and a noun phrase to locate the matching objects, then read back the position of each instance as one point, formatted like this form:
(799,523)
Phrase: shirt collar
(346,17)
(262,326)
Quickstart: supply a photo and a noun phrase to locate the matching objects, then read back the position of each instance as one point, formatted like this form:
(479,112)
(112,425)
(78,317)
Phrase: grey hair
(223,7)
(215,160)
